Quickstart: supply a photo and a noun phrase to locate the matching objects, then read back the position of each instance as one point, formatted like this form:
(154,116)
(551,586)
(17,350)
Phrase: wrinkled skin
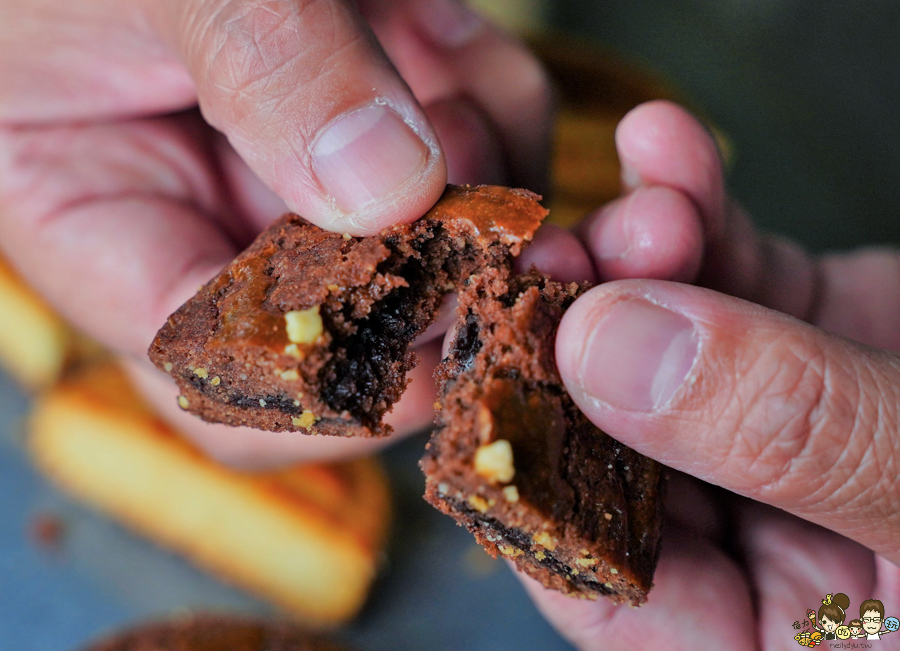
(779,416)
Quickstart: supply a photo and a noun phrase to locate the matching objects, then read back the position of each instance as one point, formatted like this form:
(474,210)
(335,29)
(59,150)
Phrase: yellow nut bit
(494,462)
(509,550)
(545,540)
(478,503)
(306,419)
(303,326)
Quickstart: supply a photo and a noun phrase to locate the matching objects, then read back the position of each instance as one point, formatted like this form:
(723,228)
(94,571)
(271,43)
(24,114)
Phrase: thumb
(742,397)
(306,96)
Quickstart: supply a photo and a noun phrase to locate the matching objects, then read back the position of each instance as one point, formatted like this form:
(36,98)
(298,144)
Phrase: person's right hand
(118,199)
(783,434)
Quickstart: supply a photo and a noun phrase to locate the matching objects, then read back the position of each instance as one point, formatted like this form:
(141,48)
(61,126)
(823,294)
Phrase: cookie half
(517,463)
(309,330)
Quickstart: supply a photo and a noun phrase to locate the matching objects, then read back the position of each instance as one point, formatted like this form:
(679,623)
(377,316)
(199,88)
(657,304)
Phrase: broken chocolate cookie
(515,461)
(310,330)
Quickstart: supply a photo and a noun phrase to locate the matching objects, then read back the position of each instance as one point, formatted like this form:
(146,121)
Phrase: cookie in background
(199,632)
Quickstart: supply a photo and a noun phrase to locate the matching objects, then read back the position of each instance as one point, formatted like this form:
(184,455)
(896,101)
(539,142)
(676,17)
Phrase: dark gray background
(806,90)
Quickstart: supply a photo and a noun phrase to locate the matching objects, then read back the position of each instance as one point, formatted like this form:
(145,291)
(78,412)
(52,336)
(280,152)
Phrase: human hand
(118,199)
(796,421)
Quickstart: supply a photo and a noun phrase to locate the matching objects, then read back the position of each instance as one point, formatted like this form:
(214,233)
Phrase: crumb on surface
(47,531)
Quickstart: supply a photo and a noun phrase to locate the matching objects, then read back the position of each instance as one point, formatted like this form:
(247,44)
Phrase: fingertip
(310,101)
(574,331)
(557,253)
(661,143)
(373,168)
(654,232)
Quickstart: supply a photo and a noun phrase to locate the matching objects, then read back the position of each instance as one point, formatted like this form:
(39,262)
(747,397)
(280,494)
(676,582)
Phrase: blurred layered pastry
(214,633)
(307,538)
(36,345)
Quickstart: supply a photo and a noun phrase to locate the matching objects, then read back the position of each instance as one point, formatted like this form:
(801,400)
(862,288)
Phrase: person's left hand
(782,434)
(143,143)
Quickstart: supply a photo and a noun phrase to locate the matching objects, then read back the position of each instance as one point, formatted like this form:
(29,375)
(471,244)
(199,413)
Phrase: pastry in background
(308,538)
(214,633)
(36,345)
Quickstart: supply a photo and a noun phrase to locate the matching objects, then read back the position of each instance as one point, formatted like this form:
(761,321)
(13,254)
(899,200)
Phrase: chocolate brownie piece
(215,633)
(517,463)
(309,330)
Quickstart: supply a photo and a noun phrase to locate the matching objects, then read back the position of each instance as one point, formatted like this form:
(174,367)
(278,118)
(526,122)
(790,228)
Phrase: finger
(653,232)
(445,51)
(253,200)
(250,448)
(307,98)
(793,564)
(473,151)
(699,598)
(117,224)
(557,253)
(859,296)
(742,397)
(888,585)
(659,143)
(855,295)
